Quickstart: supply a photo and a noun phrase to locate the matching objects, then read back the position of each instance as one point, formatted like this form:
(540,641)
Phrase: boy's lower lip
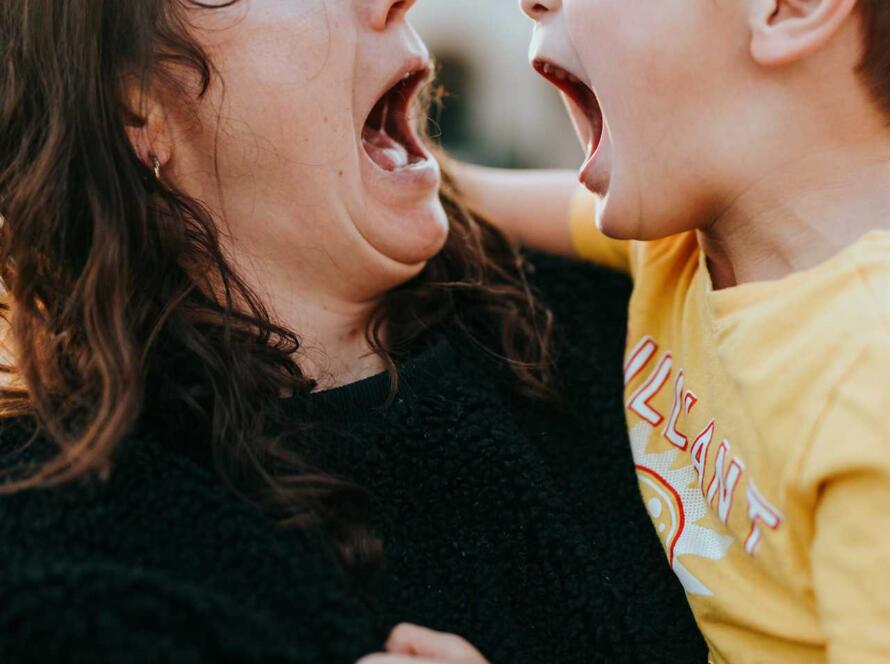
(586,167)
(586,172)
(593,146)
(594,173)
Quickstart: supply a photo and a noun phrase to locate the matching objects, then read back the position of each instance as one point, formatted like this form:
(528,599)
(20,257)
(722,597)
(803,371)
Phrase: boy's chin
(632,211)
(631,222)
(617,229)
(619,215)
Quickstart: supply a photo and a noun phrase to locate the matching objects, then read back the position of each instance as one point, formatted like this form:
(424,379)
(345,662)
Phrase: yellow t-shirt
(756,417)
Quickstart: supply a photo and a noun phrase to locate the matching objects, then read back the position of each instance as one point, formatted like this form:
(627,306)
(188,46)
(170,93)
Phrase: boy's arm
(849,463)
(543,210)
(531,207)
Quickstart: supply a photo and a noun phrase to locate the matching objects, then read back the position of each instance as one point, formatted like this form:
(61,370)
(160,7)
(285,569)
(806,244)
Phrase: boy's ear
(145,122)
(784,31)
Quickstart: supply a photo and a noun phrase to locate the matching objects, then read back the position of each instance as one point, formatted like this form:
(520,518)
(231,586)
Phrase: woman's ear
(784,31)
(146,125)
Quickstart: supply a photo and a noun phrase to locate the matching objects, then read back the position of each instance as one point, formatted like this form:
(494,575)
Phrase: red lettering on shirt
(722,485)
(640,402)
(760,512)
(700,453)
(670,432)
(728,470)
(690,400)
(638,358)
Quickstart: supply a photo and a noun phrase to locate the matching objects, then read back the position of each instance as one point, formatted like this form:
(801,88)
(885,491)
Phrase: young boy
(742,148)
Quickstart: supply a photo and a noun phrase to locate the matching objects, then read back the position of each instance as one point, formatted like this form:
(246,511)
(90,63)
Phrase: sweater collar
(373,394)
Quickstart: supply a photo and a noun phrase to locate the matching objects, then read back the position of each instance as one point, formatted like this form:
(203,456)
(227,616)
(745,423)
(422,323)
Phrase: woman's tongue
(384,150)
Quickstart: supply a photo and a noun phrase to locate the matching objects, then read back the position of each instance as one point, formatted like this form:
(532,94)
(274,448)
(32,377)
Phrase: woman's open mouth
(389,135)
(586,108)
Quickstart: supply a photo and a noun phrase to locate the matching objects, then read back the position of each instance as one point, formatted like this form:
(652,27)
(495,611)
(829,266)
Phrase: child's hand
(410,644)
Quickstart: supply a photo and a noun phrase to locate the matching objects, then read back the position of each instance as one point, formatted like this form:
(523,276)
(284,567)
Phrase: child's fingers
(407,639)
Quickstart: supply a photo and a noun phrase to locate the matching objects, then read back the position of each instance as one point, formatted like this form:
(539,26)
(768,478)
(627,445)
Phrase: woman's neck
(334,349)
(329,323)
(801,215)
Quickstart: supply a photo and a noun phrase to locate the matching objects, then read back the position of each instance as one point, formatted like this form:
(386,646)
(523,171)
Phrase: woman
(269,393)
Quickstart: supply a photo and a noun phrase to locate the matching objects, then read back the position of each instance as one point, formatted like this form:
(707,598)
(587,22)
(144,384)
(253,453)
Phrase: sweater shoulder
(590,305)
(573,280)
(589,302)
(102,610)
(153,505)
(148,487)
(161,558)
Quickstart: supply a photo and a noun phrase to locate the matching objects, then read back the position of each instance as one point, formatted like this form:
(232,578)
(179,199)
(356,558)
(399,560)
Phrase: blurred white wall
(514,117)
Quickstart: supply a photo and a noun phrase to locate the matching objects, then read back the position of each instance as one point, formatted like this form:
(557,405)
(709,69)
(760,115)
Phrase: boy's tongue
(386,152)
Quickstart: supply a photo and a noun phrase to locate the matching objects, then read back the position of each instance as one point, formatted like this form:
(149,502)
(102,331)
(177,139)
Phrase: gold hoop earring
(156,167)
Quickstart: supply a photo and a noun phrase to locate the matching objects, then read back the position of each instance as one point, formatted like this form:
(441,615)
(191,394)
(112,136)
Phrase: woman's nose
(538,9)
(384,12)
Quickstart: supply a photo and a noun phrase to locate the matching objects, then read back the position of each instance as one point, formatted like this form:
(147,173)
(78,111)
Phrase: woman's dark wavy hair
(121,308)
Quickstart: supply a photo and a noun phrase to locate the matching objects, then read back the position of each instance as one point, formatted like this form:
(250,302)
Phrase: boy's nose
(538,9)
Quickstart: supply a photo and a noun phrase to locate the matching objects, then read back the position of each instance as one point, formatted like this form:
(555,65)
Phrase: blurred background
(498,111)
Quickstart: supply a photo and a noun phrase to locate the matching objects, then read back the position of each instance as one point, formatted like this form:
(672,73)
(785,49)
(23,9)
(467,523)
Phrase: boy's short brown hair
(875,66)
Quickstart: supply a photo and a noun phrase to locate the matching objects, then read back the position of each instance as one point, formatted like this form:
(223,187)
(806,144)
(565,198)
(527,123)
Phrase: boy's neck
(801,214)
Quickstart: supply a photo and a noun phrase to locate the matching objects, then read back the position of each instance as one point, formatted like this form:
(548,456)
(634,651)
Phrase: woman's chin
(409,235)
(409,225)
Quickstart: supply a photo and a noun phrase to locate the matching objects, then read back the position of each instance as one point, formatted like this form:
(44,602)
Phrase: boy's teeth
(558,73)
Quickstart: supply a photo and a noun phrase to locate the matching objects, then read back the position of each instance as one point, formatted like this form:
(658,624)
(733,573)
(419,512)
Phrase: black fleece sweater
(515,523)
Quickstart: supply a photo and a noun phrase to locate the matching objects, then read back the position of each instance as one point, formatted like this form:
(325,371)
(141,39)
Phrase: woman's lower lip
(418,172)
(418,176)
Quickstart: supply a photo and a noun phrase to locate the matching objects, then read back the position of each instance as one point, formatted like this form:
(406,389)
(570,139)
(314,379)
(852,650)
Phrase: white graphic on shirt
(676,505)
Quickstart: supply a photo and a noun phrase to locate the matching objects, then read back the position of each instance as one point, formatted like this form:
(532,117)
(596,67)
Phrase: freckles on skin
(289,65)
(278,154)
(260,154)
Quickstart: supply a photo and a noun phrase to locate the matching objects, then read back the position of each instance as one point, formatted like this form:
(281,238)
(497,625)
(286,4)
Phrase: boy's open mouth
(587,107)
(388,136)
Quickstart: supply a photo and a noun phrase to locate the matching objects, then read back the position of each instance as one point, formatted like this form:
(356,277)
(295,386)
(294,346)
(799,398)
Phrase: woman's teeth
(386,152)
(385,135)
